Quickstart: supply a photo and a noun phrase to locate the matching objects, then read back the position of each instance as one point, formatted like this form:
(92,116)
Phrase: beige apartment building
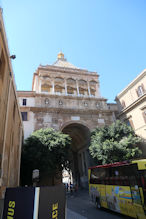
(68,99)
(132,105)
(11,127)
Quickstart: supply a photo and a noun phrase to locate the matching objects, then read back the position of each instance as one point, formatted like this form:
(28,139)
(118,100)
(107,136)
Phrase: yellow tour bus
(120,187)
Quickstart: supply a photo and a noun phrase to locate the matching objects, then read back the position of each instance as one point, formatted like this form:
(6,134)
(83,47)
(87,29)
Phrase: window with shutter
(140,90)
(131,123)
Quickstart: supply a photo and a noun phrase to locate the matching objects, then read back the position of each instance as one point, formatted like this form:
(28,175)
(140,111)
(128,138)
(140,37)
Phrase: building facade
(66,98)
(131,104)
(11,126)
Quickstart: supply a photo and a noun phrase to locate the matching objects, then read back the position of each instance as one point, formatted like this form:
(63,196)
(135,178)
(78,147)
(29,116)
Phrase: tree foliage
(114,143)
(46,150)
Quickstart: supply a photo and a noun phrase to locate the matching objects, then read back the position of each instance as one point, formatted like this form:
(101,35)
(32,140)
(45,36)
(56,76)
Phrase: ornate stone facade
(131,103)
(66,98)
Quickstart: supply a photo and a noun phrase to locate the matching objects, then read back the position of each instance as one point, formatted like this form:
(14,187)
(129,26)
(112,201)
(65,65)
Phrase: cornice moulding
(134,82)
(66,70)
(63,110)
(34,94)
(135,103)
(26,93)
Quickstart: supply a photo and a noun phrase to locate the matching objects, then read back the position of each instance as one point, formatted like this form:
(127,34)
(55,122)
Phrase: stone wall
(57,111)
(11,130)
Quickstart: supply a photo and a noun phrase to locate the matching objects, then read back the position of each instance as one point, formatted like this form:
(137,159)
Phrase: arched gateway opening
(80,160)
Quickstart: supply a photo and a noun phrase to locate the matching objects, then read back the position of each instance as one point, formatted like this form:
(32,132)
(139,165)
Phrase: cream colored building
(11,126)
(132,104)
(66,98)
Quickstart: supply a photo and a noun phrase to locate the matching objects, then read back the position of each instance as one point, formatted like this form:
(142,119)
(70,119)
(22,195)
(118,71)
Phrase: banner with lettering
(35,203)
(52,202)
(19,203)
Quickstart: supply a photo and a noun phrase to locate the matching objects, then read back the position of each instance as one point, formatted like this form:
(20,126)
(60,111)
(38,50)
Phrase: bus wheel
(98,205)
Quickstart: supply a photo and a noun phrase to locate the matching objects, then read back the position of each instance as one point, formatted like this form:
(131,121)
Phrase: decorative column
(77,85)
(97,90)
(89,88)
(53,86)
(65,86)
(40,84)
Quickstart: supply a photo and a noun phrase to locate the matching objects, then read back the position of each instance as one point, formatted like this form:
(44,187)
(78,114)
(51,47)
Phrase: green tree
(46,150)
(114,143)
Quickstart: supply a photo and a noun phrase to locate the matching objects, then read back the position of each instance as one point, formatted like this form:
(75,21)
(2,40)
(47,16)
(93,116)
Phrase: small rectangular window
(24,116)
(24,102)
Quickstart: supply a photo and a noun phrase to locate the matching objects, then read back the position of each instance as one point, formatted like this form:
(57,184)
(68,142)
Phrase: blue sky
(107,36)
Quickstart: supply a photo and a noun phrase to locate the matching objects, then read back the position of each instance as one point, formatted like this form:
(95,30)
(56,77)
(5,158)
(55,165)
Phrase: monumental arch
(80,135)
(66,98)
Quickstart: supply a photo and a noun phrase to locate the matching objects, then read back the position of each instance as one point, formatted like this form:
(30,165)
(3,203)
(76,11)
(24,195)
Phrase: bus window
(143,178)
(133,180)
(117,176)
(94,178)
(132,172)
(126,175)
(143,182)
(98,176)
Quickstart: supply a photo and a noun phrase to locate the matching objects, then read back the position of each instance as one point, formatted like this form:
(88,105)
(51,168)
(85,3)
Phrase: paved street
(80,207)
